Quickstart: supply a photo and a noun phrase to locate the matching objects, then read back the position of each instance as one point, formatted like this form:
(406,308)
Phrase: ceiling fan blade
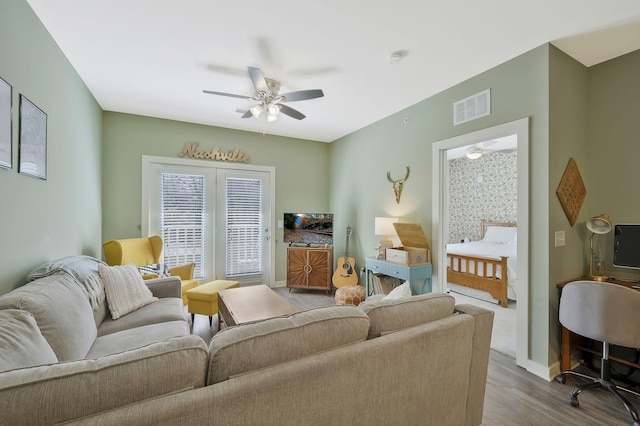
(258,79)
(231,95)
(302,95)
(247,114)
(291,112)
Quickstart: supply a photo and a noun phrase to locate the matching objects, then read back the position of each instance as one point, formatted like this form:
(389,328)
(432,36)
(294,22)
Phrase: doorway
(440,219)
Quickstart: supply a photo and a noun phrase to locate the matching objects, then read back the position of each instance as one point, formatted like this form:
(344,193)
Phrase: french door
(244,228)
(217,215)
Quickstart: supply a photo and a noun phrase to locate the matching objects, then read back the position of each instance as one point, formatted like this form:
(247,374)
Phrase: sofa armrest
(165,287)
(71,390)
(479,359)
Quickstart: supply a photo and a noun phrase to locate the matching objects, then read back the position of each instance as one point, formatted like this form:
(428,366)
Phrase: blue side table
(419,276)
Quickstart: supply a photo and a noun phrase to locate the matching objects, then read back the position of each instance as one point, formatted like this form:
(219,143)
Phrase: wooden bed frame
(479,277)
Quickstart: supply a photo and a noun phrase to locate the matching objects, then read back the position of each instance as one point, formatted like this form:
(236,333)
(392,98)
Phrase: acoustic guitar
(345,273)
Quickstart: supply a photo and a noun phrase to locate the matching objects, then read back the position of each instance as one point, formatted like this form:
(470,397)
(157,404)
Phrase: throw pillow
(499,234)
(125,289)
(403,290)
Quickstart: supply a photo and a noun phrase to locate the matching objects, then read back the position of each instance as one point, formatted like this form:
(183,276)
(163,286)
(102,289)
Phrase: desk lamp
(600,225)
(384,227)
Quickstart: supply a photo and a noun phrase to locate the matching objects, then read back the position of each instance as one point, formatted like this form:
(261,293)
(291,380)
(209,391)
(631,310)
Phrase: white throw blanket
(83,270)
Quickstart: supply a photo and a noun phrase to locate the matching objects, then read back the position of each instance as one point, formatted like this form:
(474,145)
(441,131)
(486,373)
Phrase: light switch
(280,223)
(559,238)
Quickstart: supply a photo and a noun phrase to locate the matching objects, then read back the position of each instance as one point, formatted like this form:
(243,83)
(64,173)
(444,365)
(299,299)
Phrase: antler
(399,180)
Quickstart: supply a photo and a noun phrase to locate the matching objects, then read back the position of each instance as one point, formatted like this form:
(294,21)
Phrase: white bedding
(490,250)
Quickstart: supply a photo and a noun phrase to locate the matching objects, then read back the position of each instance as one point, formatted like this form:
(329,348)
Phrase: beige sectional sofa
(412,361)
(62,360)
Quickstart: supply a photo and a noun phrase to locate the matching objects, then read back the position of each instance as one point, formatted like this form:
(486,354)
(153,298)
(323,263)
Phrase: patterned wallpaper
(485,188)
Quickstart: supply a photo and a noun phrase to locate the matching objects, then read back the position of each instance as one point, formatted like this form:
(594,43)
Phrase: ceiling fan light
(271,117)
(273,110)
(256,110)
(473,153)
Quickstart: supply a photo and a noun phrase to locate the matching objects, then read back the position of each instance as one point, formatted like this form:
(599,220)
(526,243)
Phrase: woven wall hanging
(571,191)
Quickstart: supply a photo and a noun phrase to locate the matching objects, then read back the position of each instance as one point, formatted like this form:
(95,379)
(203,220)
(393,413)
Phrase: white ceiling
(154,57)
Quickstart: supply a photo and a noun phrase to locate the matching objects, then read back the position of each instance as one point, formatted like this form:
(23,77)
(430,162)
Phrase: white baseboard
(544,372)
(280,284)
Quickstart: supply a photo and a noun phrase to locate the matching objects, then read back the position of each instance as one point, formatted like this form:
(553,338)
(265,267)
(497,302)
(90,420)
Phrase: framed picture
(5,125)
(33,140)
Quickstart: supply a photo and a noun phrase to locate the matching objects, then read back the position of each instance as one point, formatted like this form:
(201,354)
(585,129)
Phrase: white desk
(411,274)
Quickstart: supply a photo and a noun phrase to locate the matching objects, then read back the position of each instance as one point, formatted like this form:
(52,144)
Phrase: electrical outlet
(559,238)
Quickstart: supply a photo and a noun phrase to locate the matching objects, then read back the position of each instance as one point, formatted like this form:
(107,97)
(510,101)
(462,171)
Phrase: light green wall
(42,220)
(568,121)
(614,146)
(302,168)
(360,190)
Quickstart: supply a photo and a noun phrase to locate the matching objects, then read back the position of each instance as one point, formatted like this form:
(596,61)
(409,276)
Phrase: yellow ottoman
(350,295)
(203,299)
(186,286)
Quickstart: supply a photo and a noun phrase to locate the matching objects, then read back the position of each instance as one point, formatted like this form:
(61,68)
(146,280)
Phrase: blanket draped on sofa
(83,270)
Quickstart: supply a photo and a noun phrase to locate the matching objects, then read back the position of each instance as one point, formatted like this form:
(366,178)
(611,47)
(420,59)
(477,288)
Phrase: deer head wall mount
(397,184)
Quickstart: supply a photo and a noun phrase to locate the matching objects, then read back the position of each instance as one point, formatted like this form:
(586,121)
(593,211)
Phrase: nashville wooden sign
(191,150)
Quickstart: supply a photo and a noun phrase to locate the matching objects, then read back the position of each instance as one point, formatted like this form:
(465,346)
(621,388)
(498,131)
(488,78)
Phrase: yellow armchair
(147,251)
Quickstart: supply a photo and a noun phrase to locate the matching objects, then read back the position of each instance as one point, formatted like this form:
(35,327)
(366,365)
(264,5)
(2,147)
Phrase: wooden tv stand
(309,268)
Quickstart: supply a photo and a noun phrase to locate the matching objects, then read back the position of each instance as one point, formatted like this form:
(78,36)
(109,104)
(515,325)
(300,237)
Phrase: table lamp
(600,225)
(384,227)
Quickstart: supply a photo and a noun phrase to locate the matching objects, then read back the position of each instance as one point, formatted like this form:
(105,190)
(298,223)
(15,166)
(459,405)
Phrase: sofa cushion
(251,346)
(21,343)
(125,289)
(135,338)
(392,315)
(62,312)
(163,310)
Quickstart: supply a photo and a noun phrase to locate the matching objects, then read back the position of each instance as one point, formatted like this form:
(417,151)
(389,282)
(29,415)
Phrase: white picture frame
(33,140)
(6,152)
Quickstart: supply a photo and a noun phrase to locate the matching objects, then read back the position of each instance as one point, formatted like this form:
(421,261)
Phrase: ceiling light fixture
(272,112)
(397,56)
(473,153)
(256,110)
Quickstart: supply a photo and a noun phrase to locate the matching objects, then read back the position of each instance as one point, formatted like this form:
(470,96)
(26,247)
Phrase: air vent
(473,107)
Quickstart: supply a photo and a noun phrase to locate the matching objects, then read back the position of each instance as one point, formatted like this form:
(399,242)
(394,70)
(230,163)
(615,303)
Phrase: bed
(487,268)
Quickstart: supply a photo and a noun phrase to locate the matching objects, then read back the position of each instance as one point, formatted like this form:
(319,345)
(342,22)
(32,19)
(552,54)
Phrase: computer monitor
(626,245)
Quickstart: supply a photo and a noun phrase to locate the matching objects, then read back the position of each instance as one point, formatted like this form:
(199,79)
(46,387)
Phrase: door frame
(440,218)
(211,166)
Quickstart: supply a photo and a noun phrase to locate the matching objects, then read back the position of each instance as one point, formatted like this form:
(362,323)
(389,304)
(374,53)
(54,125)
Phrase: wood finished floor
(513,396)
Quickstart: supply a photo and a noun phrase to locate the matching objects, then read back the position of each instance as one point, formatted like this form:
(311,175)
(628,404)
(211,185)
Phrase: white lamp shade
(600,224)
(256,110)
(384,225)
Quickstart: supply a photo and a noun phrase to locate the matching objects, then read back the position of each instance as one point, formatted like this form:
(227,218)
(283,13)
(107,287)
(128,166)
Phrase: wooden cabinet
(309,267)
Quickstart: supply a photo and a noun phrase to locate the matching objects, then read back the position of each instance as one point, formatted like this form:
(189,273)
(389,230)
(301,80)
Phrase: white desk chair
(609,313)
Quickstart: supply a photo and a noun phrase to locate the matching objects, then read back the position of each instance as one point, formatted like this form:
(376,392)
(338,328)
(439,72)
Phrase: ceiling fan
(269,100)
(476,151)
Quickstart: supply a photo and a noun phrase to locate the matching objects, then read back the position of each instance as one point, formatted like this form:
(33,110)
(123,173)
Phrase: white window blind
(182,220)
(244,227)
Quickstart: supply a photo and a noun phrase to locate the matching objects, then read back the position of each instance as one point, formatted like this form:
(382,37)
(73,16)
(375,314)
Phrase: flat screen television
(308,228)
(626,245)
